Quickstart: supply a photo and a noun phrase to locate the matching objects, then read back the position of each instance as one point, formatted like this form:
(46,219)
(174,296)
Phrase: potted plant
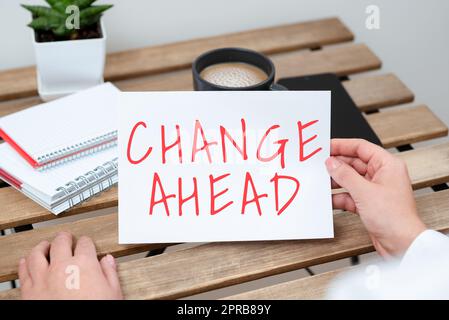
(70,45)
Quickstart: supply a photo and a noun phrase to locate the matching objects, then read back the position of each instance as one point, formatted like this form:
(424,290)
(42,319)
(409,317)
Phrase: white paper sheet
(308,216)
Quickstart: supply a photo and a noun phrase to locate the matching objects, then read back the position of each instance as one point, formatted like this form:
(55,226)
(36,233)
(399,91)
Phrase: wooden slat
(405,126)
(215,265)
(427,167)
(103,230)
(344,60)
(158,59)
(17,83)
(368,92)
(11,106)
(314,287)
(375,92)
(17,209)
(269,40)
(13,294)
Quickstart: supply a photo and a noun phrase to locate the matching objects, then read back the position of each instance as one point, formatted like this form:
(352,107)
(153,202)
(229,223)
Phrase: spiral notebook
(65,129)
(64,186)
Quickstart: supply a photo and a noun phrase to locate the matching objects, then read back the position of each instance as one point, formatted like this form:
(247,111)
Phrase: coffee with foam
(233,74)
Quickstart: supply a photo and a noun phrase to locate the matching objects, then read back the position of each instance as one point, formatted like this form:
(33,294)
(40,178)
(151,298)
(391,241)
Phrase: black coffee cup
(224,55)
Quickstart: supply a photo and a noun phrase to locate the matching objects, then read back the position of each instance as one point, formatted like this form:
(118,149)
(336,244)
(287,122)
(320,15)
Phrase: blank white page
(47,181)
(65,122)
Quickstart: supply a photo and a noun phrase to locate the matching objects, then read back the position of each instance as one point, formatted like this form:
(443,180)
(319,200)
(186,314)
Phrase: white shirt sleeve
(428,246)
(423,273)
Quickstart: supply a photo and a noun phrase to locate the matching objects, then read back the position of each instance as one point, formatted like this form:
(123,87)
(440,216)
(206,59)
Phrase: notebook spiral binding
(78,150)
(101,178)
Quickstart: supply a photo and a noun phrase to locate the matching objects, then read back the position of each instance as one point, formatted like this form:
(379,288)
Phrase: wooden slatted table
(298,49)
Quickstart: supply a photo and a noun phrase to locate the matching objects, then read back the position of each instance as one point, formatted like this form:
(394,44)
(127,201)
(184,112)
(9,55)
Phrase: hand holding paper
(379,190)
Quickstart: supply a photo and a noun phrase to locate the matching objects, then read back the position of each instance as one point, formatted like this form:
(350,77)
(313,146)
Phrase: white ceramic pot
(65,67)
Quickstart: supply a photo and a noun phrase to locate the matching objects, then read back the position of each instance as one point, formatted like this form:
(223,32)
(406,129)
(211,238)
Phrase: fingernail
(332,163)
(110,259)
(22,261)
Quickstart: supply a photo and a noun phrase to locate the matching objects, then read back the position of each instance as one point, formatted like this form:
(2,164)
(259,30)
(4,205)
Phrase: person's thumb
(109,267)
(346,176)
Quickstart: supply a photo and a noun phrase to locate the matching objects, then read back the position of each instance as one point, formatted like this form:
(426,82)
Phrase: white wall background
(413,41)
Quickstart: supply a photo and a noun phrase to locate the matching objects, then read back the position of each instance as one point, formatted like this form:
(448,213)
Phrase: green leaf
(41,23)
(89,21)
(59,5)
(93,11)
(52,3)
(47,22)
(38,10)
